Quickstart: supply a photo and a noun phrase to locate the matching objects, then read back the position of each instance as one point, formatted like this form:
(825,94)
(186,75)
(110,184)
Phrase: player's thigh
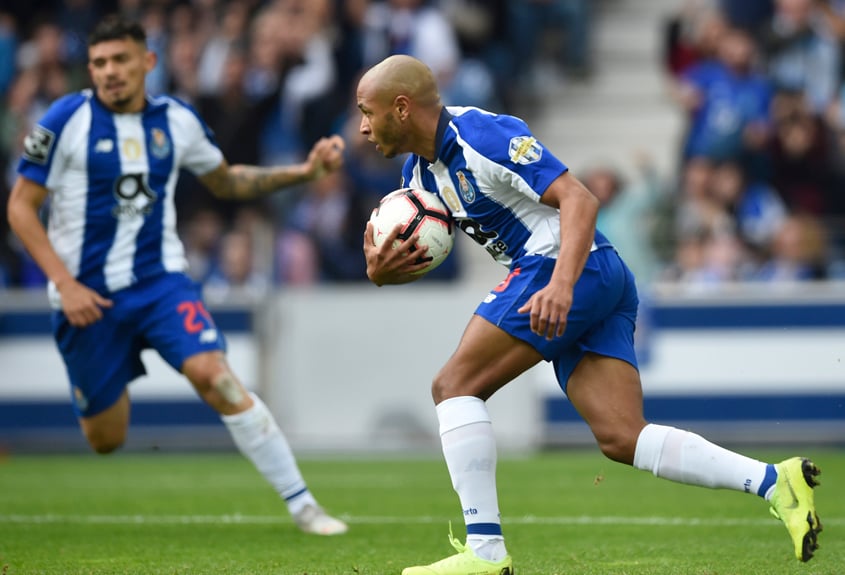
(607,392)
(101,359)
(177,323)
(486,359)
(106,431)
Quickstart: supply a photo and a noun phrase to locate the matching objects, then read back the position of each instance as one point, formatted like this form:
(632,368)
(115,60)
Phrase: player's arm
(81,305)
(578,211)
(241,182)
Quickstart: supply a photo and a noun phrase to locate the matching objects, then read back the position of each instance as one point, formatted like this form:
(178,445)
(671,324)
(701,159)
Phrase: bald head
(400,107)
(401,75)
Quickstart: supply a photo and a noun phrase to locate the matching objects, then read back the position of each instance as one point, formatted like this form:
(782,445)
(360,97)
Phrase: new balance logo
(104,146)
(208,336)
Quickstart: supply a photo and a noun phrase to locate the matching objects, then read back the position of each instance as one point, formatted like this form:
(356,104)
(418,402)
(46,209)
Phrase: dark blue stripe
(768,480)
(722,408)
(484,529)
(747,316)
(28,415)
(103,172)
(160,160)
(37,323)
(297,494)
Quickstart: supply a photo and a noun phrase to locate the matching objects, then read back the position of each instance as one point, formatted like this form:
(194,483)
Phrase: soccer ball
(417,211)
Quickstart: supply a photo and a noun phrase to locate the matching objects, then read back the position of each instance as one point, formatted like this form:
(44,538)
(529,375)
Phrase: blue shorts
(165,313)
(601,320)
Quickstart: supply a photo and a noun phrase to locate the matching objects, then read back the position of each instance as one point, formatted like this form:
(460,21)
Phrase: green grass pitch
(564,512)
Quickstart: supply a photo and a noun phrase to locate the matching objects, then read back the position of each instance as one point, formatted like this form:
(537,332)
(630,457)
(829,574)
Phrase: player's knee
(104,443)
(617,446)
(443,388)
(227,387)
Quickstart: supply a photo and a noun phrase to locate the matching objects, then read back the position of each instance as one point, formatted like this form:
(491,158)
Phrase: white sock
(688,458)
(469,448)
(259,438)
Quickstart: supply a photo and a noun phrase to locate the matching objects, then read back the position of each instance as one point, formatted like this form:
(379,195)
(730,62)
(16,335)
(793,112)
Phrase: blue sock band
(484,529)
(769,480)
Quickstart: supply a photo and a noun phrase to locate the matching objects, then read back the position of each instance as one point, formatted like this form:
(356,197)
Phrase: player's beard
(391,138)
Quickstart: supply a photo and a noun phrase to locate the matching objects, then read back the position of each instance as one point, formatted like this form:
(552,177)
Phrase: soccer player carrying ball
(568,299)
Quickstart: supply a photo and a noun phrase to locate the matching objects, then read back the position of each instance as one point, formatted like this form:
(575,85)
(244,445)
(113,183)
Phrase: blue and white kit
(112,220)
(491,172)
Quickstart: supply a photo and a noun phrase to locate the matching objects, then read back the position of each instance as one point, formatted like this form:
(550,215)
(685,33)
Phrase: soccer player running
(568,298)
(109,160)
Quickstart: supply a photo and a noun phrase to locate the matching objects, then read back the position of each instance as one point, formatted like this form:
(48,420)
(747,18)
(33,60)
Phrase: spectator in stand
(727,103)
(800,53)
(325,225)
(756,207)
(798,251)
(622,202)
(201,234)
(228,37)
(422,30)
(692,35)
(802,155)
(235,273)
(529,19)
(305,77)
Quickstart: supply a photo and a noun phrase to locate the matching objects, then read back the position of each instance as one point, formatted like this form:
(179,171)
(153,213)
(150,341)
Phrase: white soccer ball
(417,211)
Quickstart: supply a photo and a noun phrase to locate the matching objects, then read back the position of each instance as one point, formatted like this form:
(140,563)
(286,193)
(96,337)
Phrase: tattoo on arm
(243,182)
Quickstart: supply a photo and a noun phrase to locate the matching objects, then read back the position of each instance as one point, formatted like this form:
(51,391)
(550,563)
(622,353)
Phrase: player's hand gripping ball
(420,212)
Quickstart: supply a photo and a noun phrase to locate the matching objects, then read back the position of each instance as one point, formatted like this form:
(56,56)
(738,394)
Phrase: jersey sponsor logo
(451,198)
(134,196)
(159,143)
(525,150)
(104,146)
(467,190)
(37,144)
(490,297)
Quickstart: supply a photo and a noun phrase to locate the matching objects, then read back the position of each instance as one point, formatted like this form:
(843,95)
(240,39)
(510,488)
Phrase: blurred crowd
(270,77)
(760,84)
(760,192)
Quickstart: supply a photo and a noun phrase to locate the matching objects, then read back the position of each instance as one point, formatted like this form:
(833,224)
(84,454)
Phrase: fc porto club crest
(159,143)
(467,190)
(524,150)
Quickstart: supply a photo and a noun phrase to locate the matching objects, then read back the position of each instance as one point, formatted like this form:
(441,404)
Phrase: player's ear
(402,105)
(150,60)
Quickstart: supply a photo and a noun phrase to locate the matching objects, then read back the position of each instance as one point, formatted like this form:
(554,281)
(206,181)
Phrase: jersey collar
(442,124)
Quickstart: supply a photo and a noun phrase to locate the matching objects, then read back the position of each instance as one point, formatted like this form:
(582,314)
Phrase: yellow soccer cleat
(792,503)
(464,563)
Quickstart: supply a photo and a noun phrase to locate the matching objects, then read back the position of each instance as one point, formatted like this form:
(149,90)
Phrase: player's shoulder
(490,135)
(171,104)
(477,120)
(64,107)
(180,112)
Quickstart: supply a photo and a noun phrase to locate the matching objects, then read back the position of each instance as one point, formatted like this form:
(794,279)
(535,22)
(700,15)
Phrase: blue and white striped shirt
(112,179)
(491,172)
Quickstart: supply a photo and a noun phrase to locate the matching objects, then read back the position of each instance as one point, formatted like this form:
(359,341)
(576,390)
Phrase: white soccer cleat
(314,519)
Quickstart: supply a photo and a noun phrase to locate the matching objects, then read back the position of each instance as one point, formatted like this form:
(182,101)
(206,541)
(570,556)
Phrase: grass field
(565,512)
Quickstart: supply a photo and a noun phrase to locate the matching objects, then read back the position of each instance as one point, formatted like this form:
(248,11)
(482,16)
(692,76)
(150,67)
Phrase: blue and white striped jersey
(111,179)
(491,171)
